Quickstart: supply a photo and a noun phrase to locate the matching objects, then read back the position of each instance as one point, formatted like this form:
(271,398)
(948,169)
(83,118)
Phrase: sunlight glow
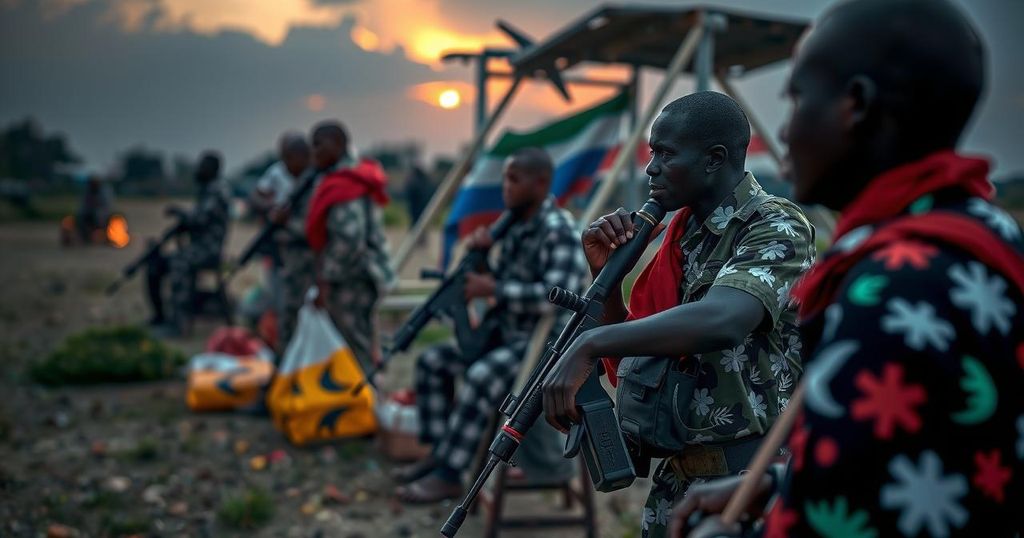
(449,99)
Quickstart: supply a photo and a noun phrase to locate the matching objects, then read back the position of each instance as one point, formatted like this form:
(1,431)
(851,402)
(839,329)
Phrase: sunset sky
(183,75)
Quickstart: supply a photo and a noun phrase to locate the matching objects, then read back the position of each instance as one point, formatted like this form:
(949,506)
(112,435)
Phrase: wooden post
(452,181)
(825,220)
(755,122)
(679,61)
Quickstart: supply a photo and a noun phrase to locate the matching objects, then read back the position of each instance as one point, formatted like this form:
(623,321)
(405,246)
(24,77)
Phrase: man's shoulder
(558,220)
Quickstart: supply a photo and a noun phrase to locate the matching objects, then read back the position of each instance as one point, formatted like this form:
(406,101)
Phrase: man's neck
(530,211)
(721,187)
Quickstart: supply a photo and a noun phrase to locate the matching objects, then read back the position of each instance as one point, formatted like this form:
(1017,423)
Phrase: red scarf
(365,179)
(657,287)
(886,197)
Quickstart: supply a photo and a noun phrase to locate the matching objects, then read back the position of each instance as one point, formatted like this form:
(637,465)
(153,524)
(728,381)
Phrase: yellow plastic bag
(311,399)
(222,382)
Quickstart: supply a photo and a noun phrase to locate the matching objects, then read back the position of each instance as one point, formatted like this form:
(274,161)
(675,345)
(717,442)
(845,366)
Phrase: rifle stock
(598,437)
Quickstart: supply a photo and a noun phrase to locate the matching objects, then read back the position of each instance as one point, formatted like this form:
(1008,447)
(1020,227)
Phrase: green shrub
(106,355)
(246,510)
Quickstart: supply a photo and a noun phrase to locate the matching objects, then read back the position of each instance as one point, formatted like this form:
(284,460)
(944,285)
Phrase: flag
(581,146)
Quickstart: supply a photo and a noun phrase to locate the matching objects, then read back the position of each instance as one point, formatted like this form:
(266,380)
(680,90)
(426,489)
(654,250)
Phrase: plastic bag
(221,381)
(311,398)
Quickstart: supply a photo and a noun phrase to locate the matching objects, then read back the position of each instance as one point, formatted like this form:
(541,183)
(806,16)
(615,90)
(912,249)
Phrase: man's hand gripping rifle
(604,449)
(256,244)
(449,300)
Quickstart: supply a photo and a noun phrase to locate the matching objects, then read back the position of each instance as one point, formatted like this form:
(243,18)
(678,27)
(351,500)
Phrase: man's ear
(716,157)
(861,99)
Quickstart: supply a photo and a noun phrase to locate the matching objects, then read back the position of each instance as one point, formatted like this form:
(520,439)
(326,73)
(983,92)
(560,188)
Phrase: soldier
(539,251)
(912,421)
(344,230)
(296,270)
(716,295)
(206,227)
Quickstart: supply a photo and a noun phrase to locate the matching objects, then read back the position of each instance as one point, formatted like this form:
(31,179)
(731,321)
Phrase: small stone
(178,509)
(362,496)
(396,507)
(56,530)
(291,493)
(153,495)
(241,446)
(258,463)
(118,484)
(220,438)
(98,449)
(334,495)
(309,508)
(323,516)
(278,457)
(61,420)
(328,454)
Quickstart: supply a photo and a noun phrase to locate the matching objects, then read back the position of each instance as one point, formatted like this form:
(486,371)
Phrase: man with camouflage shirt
(539,251)
(206,227)
(734,251)
(344,230)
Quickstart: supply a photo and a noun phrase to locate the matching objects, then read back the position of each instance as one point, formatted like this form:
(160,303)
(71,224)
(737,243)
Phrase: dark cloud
(182,92)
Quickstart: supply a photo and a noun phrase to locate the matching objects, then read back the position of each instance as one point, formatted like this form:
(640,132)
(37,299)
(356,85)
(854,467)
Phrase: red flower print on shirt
(991,477)
(888,401)
(901,253)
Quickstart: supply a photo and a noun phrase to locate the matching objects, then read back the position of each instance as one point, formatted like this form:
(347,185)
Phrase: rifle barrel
(528,407)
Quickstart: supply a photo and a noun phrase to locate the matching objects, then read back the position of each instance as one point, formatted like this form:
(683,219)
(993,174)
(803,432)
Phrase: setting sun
(449,99)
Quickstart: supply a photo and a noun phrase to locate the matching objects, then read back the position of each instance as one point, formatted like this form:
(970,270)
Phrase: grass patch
(247,510)
(125,525)
(395,216)
(145,450)
(39,208)
(106,355)
(434,333)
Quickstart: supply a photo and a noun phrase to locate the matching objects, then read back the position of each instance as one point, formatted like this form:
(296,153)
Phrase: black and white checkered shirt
(535,256)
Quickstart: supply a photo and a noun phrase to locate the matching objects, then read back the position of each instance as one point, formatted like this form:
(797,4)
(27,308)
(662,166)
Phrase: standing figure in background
(272,190)
(418,191)
(345,231)
(205,227)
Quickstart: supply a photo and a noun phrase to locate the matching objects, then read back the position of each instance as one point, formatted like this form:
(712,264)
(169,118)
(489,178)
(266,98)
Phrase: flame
(117,231)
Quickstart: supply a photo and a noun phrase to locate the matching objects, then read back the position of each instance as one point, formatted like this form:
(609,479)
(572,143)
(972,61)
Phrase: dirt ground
(119,460)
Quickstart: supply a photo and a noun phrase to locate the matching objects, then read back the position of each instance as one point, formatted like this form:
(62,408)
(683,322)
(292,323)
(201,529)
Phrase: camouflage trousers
(179,269)
(695,465)
(294,278)
(352,306)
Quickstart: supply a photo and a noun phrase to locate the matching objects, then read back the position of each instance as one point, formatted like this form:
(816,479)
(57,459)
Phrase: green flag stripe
(560,130)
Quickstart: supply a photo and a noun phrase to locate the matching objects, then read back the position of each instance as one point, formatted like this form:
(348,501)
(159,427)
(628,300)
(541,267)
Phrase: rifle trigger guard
(573,441)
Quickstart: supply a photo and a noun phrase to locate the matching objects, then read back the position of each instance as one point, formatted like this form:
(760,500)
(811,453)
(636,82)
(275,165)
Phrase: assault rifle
(129,270)
(449,300)
(306,183)
(597,436)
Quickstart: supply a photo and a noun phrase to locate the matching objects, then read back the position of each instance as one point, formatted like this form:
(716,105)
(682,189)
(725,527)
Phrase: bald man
(721,315)
(913,419)
(539,251)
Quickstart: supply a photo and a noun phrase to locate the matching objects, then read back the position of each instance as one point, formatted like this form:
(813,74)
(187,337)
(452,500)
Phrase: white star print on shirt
(924,495)
(918,324)
(984,295)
